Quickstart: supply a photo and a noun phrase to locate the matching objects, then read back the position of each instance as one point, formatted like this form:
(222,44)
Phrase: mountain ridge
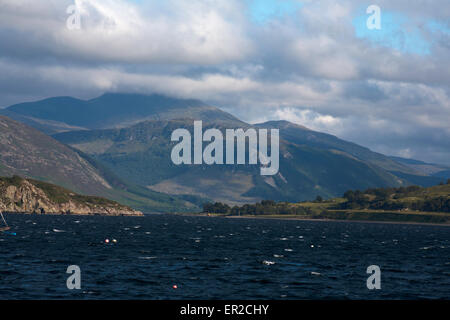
(111,110)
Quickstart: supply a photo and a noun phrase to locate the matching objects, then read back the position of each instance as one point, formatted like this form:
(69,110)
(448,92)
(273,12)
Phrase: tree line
(396,199)
(372,198)
(263,207)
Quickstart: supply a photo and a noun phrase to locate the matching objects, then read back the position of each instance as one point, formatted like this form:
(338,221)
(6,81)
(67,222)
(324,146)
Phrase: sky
(315,63)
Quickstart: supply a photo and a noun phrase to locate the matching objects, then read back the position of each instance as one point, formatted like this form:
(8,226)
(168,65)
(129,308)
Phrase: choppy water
(215,258)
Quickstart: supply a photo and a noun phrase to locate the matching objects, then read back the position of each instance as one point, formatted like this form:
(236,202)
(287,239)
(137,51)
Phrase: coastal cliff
(31,196)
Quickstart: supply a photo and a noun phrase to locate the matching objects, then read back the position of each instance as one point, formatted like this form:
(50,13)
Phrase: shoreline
(293,218)
(251,217)
(75,214)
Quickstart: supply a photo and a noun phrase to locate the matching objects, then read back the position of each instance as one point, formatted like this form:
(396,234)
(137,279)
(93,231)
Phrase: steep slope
(32,196)
(141,153)
(28,152)
(111,110)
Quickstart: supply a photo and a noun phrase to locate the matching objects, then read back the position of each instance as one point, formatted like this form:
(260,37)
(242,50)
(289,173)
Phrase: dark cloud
(364,90)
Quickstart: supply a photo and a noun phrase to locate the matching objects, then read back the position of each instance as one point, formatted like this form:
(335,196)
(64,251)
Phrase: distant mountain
(408,161)
(28,152)
(45,126)
(311,164)
(111,110)
(407,170)
(303,136)
(435,170)
(442,175)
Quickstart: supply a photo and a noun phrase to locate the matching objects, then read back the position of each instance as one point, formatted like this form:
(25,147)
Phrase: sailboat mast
(3,218)
(4,221)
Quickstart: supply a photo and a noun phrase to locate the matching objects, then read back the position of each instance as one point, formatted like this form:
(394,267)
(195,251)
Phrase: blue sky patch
(395,33)
(262,11)
(436,26)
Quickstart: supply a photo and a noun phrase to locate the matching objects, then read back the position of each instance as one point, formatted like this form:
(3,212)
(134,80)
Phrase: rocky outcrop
(31,196)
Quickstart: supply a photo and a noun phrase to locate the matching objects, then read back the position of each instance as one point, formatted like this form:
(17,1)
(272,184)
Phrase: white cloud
(118,31)
(311,119)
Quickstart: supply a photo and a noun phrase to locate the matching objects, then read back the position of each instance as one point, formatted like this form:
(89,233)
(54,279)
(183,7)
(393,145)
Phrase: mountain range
(118,146)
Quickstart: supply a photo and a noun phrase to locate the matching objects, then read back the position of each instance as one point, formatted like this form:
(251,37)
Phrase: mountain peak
(150,97)
(281,124)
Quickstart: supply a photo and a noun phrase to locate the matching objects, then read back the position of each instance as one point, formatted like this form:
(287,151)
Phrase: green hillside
(415,198)
(141,154)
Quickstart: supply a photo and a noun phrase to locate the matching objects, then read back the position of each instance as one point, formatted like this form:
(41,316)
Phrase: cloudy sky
(315,63)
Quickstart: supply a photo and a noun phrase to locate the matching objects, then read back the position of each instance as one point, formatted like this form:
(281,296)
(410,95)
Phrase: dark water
(214,258)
